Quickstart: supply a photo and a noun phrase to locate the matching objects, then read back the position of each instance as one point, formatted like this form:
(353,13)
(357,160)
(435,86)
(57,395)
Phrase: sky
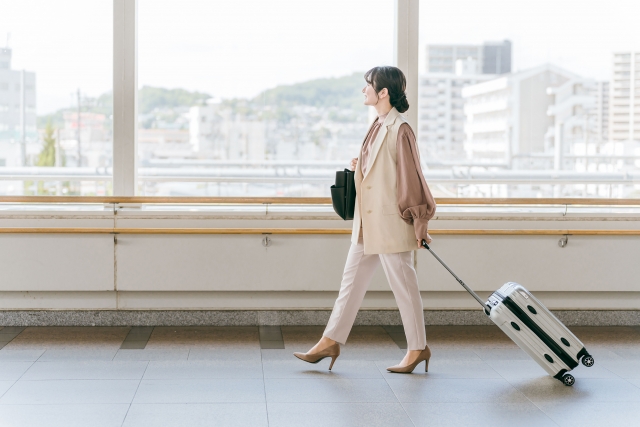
(241,47)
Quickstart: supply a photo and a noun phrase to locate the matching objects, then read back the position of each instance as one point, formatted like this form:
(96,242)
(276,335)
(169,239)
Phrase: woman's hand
(354,162)
(428,239)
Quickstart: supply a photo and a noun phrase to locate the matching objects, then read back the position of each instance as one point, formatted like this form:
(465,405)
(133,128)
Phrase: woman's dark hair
(393,79)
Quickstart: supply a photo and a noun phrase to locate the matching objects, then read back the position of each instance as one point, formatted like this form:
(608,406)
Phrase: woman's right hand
(354,162)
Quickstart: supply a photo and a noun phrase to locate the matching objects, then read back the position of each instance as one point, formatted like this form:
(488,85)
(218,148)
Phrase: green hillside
(342,92)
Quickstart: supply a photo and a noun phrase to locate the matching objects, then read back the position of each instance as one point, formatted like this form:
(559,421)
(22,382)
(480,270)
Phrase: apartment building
(508,116)
(441,113)
(624,119)
(17,110)
(492,57)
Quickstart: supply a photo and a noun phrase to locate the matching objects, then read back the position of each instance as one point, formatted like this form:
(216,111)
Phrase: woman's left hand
(428,239)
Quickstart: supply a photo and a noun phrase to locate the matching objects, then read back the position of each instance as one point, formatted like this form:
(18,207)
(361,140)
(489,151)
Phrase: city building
(580,114)
(17,111)
(496,57)
(441,106)
(624,121)
(217,133)
(492,57)
(441,111)
(507,117)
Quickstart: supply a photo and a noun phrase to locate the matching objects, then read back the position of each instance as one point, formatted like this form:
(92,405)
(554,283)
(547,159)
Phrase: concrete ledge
(285,317)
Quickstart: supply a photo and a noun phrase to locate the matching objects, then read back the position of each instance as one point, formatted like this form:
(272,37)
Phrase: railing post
(125,93)
(406,51)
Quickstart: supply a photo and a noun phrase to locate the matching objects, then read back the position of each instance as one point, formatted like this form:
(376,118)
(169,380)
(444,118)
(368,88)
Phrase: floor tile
(152,354)
(12,371)
(501,354)
(20,355)
(225,353)
(337,415)
(578,413)
(328,390)
(371,352)
(548,389)
(220,376)
(197,415)
(5,386)
(342,369)
(287,354)
(86,370)
(490,414)
(63,415)
(622,368)
(448,353)
(411,388)
(622,352)
(445,369)
(70,391)
(219,390)
(201,369)
(165,337)
(77,354)
(64,336)
(513,369)
(474,336)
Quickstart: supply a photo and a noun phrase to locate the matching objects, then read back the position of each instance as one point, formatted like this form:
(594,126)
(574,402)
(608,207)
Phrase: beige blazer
(383,230)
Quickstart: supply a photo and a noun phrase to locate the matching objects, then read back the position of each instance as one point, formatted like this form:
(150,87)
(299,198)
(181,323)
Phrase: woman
(393,208)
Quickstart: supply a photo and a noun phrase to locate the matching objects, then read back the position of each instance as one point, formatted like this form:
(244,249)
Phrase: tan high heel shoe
(333,351)
(424,355)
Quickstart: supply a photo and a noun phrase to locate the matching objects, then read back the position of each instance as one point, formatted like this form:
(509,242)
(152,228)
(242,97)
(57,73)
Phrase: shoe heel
(333,359)
(426,365)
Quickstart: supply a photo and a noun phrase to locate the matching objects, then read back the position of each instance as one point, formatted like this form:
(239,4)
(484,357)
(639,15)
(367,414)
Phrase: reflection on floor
(241,376)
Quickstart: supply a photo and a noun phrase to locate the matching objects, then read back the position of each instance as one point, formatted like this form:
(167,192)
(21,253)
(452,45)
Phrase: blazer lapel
(382,133)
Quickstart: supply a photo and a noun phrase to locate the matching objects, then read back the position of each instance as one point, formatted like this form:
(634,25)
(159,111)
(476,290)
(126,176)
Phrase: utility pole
(23,120)
(58,162)
(79,125)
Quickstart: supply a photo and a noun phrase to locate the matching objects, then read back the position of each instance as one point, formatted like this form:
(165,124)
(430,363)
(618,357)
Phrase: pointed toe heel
(424,356)
(333,351)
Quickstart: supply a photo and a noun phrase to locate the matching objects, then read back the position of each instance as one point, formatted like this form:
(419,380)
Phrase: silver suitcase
(534,328)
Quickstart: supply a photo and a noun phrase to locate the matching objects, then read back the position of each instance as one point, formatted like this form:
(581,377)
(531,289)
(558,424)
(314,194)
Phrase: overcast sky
(240,47)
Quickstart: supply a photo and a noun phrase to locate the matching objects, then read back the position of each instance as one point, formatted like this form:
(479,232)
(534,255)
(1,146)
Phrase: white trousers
(357,275)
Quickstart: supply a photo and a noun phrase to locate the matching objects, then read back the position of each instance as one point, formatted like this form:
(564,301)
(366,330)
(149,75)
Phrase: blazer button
(369,187)
(369,211)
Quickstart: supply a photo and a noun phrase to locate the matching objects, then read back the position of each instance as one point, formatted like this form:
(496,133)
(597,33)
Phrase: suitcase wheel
(568,380)
(588,361)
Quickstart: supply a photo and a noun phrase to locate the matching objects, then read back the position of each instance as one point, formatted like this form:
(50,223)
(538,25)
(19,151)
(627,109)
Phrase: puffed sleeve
(415,202)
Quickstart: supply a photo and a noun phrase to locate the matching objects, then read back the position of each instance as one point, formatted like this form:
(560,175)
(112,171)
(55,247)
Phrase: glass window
(55,97)
(544,90)
(252,97)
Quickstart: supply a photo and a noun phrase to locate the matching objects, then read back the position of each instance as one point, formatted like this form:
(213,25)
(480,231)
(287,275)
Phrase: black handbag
(343,194)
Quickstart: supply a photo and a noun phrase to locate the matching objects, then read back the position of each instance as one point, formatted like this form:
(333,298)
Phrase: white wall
(90,271)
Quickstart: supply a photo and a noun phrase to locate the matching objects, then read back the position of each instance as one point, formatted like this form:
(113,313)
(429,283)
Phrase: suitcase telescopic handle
(473,294)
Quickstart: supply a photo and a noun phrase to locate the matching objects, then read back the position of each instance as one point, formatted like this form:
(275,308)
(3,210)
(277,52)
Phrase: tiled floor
(220,376)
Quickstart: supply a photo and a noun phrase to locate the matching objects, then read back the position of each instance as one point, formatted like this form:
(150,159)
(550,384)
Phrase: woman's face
(370,95)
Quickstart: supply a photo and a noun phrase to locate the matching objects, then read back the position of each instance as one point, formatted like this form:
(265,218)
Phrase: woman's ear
(384,92)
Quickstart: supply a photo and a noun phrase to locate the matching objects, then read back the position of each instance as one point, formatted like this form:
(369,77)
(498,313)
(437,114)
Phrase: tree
(47,156)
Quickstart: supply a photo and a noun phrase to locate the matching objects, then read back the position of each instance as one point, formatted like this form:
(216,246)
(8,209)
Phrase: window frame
(125,82)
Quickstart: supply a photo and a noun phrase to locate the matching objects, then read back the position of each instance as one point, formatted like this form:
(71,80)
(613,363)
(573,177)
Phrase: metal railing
(572,201)
(309,231)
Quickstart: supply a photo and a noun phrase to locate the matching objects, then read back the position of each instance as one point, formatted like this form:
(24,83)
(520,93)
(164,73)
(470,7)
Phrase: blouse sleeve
(415,202)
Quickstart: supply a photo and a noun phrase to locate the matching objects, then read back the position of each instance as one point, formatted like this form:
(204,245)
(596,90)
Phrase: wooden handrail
(184,231)
(307,200)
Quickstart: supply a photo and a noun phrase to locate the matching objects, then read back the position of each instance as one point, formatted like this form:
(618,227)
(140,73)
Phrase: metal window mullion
(406,51)
(125,86)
